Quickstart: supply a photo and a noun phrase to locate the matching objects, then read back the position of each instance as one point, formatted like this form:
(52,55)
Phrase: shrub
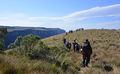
(65,65)
(41,53)
(2,52)
(3,32)
(11,46)
(108,68)
(58,63)
(38,54)
(28,42)
(55,48)
(12,51)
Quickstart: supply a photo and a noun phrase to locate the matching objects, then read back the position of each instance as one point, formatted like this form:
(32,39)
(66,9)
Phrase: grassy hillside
(56,59)
(105,44)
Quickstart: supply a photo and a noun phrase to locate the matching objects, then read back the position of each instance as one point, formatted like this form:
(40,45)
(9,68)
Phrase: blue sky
(65,14)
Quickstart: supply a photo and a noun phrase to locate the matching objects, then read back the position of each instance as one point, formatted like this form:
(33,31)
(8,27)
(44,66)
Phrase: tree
(28,42)
(11,46)
(3,32)
(18,41)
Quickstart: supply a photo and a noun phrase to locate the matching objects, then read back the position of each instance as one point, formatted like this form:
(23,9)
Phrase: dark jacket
(77,46)
(86,50)
(90,48)
(74,43)
(68,45)
(64,40)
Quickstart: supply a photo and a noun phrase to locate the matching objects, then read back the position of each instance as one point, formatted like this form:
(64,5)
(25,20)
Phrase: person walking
(77,46)
(64,40)
(74,43)
(86,52)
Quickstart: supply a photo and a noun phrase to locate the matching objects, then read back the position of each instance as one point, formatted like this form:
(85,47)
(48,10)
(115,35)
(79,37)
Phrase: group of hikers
(71,31)
(85,49)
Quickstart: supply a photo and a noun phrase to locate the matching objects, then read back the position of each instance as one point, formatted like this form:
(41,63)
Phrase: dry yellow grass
(106,48)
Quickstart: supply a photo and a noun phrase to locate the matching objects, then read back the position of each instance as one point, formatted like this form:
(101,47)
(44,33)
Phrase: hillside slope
(106,49)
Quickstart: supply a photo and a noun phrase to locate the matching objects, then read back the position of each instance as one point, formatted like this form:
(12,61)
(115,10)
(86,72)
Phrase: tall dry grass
(105,44)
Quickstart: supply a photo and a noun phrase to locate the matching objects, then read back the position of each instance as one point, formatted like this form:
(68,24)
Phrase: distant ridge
(14,32)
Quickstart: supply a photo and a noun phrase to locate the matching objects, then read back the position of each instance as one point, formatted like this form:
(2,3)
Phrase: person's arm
(81,48)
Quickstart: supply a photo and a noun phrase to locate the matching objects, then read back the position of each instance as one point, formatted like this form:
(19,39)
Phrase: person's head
(85,43)
(74,40)
(86,40)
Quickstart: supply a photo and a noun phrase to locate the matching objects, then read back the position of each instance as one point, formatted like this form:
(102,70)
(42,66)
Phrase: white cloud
(107,11)
(20,19)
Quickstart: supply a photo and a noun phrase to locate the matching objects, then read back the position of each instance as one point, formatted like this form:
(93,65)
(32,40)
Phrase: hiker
(77,46)
(70,31)
(66,43)
(64,40)
(69,45)
(86,52)
(89,45)
(74,43)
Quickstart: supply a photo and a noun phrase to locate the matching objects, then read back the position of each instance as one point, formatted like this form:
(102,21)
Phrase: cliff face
(14,32)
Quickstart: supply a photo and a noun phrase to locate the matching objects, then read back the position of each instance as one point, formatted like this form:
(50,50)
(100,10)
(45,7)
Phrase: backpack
(77,46)
(86,51)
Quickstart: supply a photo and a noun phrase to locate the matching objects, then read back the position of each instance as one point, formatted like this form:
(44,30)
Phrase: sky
(64,14)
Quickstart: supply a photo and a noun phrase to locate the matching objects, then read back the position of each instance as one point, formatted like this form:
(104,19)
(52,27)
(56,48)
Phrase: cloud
(107,11)
(65,22)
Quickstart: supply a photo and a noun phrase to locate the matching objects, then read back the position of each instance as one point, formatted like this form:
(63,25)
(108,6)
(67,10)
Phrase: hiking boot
(87,66)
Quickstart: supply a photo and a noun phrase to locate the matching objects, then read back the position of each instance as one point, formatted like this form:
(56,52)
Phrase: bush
(38,54)
(58,63)
(55,48)
(11,46)
(64,48)
(3,32)
(12,51)
(28,43)
(41,53)
(2,52)
(65,65)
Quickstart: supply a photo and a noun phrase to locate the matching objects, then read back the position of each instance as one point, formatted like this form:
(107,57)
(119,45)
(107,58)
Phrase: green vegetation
(3,32)
(16,43)
(32,48)
(31,55)
(2,52)
(105,44)
(65,65)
